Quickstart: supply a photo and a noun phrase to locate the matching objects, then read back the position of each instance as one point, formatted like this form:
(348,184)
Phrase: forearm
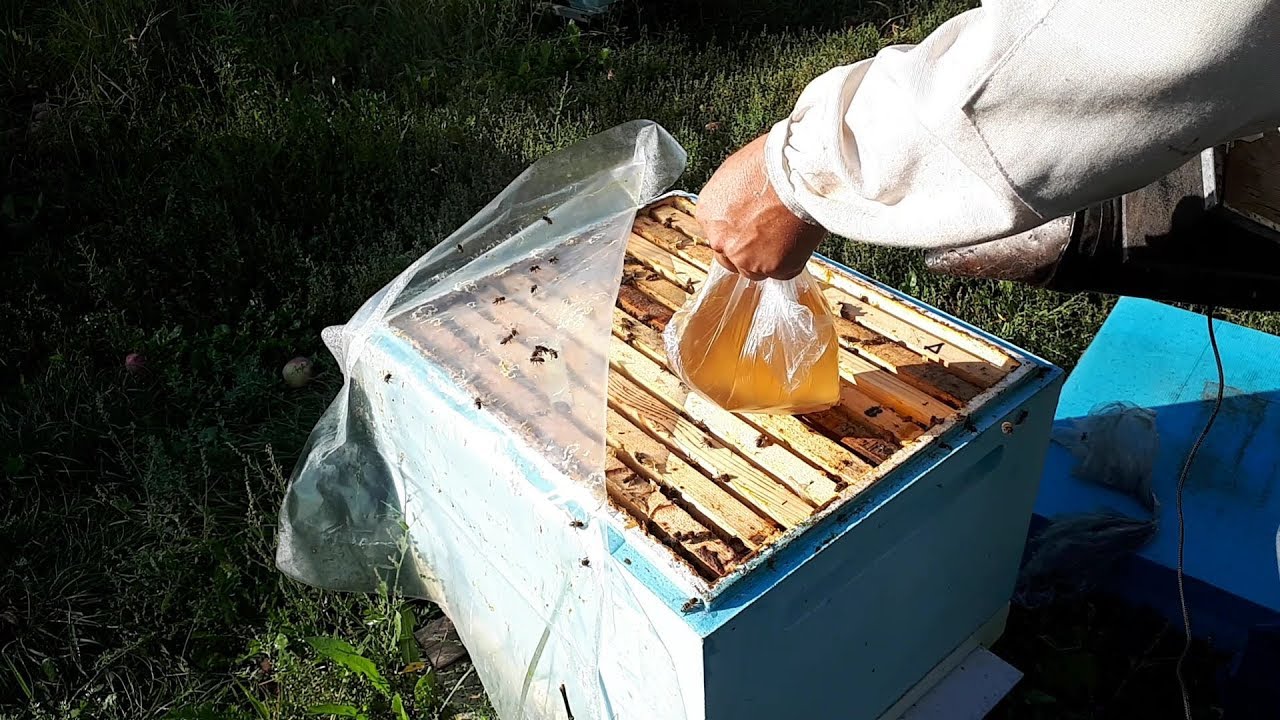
(1019,112)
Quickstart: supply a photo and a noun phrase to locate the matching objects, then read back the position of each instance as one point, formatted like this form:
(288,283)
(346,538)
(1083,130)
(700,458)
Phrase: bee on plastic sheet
(541,353)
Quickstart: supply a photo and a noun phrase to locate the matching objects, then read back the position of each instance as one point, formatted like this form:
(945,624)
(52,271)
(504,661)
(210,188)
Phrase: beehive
(852,551)
(719,489)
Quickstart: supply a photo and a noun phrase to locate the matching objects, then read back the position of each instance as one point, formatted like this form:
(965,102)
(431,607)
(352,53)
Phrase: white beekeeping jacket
(1022,111)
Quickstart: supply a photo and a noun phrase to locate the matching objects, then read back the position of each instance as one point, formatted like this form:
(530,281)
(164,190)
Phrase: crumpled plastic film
(1116,447)
(463,459)
(766,346)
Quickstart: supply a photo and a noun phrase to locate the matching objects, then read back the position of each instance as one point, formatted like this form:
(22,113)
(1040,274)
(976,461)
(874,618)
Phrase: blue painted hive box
(1158,357)
(743,566)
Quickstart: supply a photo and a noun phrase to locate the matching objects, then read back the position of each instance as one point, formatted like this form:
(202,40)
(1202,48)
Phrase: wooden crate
(718,489)
(1251,180)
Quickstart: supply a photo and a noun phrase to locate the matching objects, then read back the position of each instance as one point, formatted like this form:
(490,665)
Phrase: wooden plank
(441,644)
(679,271)
(859,400)
(683,222)
(932,378)
(949,351)
(891,392)
(869,444)
(651,282)
(765,493)
(671,240)
(884,389)
(805,461)
(683,204)
(643,307)
(654,460)
(838,425)
(642,498)
(914,329)
(1251,180)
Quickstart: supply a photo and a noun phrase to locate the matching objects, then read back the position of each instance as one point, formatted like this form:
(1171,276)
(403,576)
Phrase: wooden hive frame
(718,488)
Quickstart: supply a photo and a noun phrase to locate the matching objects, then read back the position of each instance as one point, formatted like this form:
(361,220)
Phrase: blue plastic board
(1159,357)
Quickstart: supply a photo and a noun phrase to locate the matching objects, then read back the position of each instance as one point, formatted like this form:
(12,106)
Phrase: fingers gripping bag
(749,346)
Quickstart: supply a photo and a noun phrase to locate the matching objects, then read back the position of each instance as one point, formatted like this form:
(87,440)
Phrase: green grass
(211,183)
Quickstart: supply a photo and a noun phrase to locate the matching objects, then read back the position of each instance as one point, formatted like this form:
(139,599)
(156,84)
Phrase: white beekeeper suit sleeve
(1022,111)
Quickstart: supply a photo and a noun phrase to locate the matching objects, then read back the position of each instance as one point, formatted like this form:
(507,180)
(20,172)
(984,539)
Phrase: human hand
(750,229)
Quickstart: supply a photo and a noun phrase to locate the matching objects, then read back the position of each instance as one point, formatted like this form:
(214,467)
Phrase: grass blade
(22,682)
(407,622)
(331,709)
(258,706)
(397,707)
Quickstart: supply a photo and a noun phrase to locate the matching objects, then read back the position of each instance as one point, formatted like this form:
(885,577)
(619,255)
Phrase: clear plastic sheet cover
(469,433)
